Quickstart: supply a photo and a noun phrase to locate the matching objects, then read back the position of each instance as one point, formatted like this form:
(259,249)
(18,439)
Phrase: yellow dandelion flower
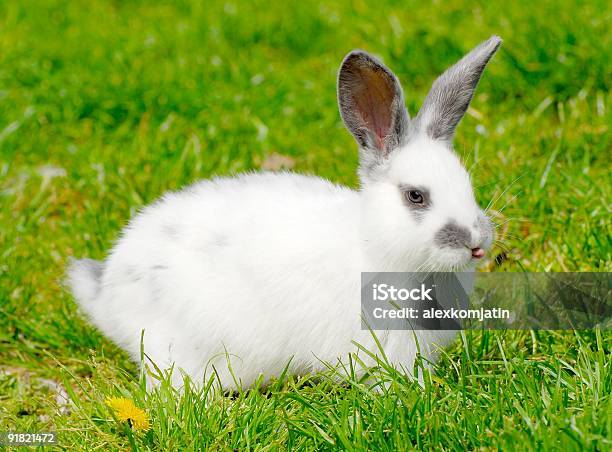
(126,411)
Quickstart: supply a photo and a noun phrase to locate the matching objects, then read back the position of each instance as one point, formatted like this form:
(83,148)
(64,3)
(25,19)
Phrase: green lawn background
(106,105)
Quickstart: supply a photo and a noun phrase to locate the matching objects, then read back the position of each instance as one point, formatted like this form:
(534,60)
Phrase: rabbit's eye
(415,196)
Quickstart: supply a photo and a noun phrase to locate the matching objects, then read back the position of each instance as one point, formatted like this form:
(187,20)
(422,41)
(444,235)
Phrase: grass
(106,105)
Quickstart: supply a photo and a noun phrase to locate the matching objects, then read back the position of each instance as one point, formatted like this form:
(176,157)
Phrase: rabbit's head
(418,206)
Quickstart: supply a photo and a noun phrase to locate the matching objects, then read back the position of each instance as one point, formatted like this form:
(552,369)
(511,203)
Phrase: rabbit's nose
(478,252)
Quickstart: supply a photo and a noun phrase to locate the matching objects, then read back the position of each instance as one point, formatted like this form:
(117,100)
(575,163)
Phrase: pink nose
(478,253)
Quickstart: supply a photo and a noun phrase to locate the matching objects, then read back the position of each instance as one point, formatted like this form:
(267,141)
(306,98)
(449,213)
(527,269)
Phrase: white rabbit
(261,269)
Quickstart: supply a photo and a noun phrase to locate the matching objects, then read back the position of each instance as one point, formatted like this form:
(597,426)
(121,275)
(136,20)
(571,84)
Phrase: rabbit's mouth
(478,253)
(455,259)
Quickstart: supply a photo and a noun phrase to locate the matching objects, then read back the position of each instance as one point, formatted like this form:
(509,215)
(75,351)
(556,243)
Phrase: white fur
(266,267)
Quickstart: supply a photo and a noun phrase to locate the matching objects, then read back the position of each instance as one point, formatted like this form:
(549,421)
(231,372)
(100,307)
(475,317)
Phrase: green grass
(106,105)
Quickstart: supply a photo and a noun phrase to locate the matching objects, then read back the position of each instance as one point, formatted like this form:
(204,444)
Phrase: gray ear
(452,92)
(371,103)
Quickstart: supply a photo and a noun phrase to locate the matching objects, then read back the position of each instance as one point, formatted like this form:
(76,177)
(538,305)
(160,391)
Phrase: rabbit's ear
(371,104)
(452,92)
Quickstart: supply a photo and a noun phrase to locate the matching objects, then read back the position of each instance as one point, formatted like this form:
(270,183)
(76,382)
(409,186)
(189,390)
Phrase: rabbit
(236,277)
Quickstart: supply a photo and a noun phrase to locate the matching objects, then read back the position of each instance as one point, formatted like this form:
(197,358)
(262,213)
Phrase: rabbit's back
(254,219)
